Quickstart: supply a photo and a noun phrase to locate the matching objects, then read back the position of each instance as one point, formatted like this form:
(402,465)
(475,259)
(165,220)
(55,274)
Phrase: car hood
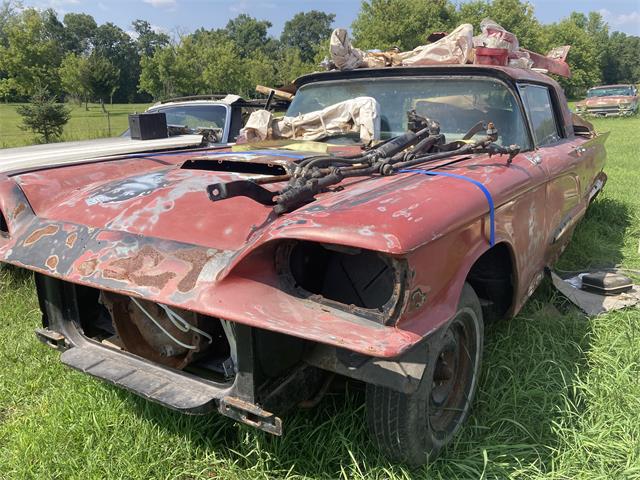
(393,214)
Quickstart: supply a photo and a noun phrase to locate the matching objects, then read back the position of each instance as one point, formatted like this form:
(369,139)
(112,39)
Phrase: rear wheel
(412,428)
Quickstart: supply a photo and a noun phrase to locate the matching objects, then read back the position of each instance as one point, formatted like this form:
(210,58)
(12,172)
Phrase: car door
(561,156)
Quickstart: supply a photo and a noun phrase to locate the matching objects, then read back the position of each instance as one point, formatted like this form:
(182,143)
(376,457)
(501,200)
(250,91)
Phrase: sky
(184,16)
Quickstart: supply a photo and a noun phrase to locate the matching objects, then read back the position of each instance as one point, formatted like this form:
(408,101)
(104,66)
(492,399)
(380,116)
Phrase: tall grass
(559,395)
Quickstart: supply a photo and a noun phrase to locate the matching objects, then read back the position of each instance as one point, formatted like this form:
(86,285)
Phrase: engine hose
(329,161)
(182,324)
(157,324)
(305,162)
(434,156)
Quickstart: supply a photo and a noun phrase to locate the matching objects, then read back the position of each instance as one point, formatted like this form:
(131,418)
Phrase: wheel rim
(454,375)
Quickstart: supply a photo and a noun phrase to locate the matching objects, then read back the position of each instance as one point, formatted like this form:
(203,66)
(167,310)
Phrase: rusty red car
(610,101)
(242,280)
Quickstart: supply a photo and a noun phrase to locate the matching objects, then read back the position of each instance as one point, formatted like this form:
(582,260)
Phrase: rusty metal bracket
(241,188)
(52,339)
(250,414)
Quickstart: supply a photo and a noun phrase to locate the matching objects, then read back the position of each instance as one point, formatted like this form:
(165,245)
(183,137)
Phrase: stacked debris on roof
(493,46)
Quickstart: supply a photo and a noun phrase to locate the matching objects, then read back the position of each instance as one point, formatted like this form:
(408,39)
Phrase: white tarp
(360,115)
(454,48)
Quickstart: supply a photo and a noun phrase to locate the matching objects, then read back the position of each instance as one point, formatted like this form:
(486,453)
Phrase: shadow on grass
(526,389)
(598,240)
(15,276)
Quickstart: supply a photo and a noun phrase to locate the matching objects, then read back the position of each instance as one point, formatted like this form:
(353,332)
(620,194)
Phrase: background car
(221,115)
(610,100)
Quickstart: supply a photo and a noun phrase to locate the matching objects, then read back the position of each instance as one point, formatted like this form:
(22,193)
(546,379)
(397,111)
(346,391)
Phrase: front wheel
(412,428)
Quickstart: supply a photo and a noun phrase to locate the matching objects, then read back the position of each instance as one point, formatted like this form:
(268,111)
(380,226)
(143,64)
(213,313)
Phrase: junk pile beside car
(599,291)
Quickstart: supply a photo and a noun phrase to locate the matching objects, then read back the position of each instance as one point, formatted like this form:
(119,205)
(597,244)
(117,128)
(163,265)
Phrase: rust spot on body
(18,210)
(71,239)
(52,262)
(126,269)
(87,267)
(41,232)
(197,259)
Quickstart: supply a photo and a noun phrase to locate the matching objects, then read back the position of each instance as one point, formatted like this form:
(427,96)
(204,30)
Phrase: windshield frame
(227,121)
(628,88)
(475,76)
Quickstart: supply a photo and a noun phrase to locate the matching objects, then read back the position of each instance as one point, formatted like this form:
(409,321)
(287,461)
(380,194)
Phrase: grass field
(559,396)
(82,124)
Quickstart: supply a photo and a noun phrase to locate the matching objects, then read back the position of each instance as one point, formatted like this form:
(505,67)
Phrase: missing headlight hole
(348,278)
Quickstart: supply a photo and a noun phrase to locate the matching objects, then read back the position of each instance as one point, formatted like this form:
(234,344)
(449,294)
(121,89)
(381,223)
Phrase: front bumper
(171,388)
(613,111)
(250,395)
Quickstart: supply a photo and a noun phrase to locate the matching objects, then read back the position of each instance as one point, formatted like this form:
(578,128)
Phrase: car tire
(413,428)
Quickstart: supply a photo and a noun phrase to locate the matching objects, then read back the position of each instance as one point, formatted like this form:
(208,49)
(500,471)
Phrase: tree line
(74,57)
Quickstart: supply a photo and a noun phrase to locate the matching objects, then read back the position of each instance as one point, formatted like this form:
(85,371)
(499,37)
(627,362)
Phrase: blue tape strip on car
(487,194)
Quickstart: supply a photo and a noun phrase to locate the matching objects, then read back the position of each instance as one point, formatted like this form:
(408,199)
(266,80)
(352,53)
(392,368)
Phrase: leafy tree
(223,72)
(173,71)
(80,31)
(306,31)
(290,65)
(473,12)
(54,30)
(148,40)
(113,43)
(101,78)
(584,56)
(248,33)
(43,116)
(75,74)
(8,11)
(158,73)
(30,56)
(621,63)
(402,23)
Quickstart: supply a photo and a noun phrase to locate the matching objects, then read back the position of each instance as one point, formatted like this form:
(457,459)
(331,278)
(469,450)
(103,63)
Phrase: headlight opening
(366,283)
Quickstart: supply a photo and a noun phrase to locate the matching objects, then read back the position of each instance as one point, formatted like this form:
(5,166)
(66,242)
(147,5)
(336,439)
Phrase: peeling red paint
(137,269)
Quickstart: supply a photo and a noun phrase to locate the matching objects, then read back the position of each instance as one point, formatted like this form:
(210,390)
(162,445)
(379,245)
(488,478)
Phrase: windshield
(195,116)
(457,104)
(610,92)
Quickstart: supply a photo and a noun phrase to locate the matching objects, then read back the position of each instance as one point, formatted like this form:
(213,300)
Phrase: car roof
(505,73)
(613,85)
(188,102)
(235,103)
